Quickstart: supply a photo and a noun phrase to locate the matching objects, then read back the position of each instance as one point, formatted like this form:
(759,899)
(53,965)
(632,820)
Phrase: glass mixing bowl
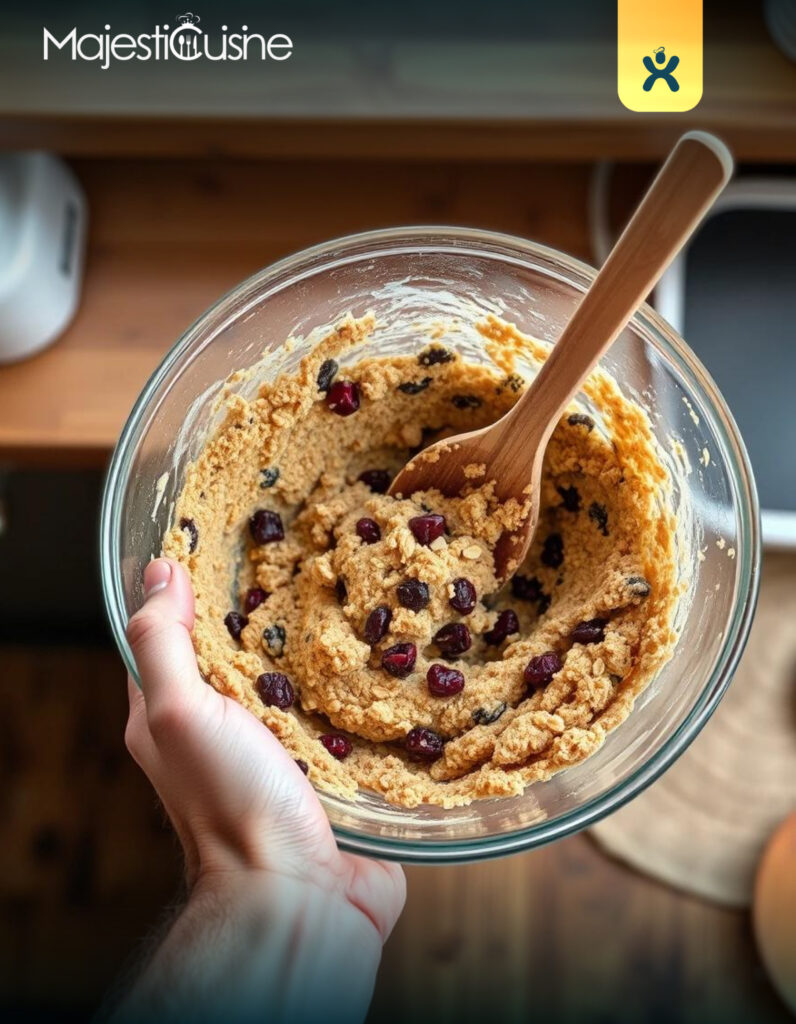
(411,278)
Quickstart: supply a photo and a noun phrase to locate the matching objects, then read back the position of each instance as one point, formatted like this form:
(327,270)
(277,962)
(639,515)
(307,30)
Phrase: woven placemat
(703,825)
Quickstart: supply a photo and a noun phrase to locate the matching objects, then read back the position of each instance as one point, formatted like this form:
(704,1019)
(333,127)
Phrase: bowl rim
(435,238)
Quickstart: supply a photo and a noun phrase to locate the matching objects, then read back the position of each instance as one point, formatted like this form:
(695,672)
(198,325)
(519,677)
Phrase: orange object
(774,910)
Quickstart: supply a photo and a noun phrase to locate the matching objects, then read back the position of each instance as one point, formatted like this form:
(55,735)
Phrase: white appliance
(43,218)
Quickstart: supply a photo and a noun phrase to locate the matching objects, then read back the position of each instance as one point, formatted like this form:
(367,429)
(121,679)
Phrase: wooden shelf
(168,238)
(758,134)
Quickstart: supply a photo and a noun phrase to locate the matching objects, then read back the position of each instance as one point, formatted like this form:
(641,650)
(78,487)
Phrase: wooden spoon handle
(696,171)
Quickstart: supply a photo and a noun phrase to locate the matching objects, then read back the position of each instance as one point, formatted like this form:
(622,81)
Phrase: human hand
(242,808)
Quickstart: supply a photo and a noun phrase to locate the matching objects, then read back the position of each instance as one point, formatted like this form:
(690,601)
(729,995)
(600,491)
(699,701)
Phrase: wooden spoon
(775,910)
(512,449)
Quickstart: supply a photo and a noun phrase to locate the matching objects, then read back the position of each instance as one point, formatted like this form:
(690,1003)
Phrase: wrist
(295,903)
(309,949)
(250,944)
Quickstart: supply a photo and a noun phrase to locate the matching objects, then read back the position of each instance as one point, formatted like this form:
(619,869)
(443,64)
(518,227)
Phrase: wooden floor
(87,867)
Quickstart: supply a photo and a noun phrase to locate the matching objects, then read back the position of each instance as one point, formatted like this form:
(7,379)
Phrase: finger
(378,889)
(137,737)
(135,697)
(159,636)
(166,574)
(145,753)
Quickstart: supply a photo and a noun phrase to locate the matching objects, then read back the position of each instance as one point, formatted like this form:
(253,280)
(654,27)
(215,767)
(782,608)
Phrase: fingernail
(156,576)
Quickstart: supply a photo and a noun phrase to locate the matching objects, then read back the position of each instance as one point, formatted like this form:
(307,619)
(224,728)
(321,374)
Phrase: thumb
(160,639)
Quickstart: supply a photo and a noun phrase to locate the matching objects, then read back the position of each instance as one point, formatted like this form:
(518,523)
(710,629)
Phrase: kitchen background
(500,116)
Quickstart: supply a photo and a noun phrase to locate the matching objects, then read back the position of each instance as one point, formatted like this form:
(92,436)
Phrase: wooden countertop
(169,237)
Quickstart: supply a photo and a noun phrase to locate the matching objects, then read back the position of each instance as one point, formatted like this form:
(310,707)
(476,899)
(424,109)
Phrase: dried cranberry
(414,387)
(483,717)
(453,639)
(514,382)
(302,765)
(580,419)
(413,594)
(434,355)
(275,690)
(526,588)
(343,397)
(427,528)
(399,660)
(378,480)
(466,401)
(443,681)
(599,514)
(377,624)
(275,637)
(570,498)
(326,374)
(540,670)
(193,534)
(506,624)
(423,744)
(464,596)
(235,623)
(368,530)
(253,599)
(338,746)
(592,631)
(553,551)
(266,527)
(638,586)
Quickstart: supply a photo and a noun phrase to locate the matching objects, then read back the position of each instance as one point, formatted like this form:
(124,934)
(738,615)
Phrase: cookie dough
(370,635)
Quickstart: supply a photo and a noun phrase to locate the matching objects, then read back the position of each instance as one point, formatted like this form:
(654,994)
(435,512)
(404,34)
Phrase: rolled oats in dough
(603,550)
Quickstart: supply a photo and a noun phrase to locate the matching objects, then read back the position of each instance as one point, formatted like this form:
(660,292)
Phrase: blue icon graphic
(664,73)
